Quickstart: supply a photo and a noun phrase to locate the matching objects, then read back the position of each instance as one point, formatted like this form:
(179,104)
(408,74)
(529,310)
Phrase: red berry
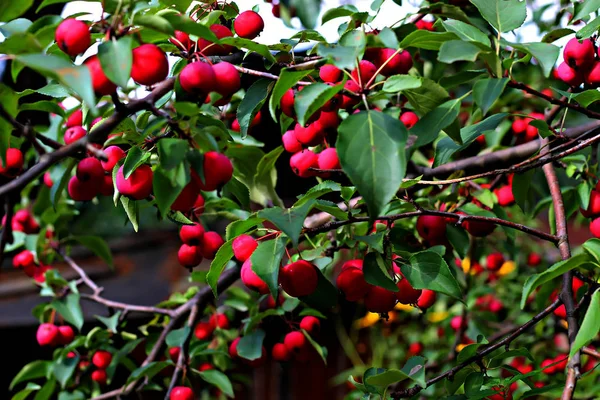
(114,154)
(90,170)
(251,280)
(218,170)
(534,259)
(310,324)
(299,278)
(399,63)
(65,334)
(568,75)
(203,330)
(73,134)
(287,103)
(14,163)
(205,367)
(424,25)
(186,199)
(561,312)
(243,247)
(23,259)
(191,234)
(75,119)
(290,143)
(426,299)
(198,78)
(101,84)
(593,75)
(48,179)
(478,228)
(547,367)
(199,205)
(82,191)
(149,65)
(280,353)
(248,24)
(406,294)
(415,348)
(505,195)
(174,353)
(227,79)
(302,162)
(367,71)
(73,36)
(47,335)
(233,348)
(458,322)
(380,300)
(139,184)
(219,321)
(431,227)
(329,120)
(210,244)
(579,55)
(294,341)
(210,49)
(351,281)
(330,73)
(101,359)
(189,256)
(99,376)
(181,40)
(409,119)
(328,159)
(312,135)
(494,261)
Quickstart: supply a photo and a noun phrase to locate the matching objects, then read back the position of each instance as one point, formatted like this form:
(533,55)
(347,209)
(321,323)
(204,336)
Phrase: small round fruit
(310,324)
(149,65)
(210,244)
(227,79)
(73,134)
(181,393)
(311,135)
(233,348)
(458,322)
(101,84)
(328,159)
(534,259)
(295,341)
(209,49)
(367,71)
(409,119)
(280,353)
(75,119)
(99,376)
(251,280)
(248,24)
(203,331)
(568,75)
(415,348)
(399,63)
(65,334)
(47,335)
(139,184)
(287,103)
(181,40)
(426,299)
(595,227)
(14,163)
(431,227)
(351,281)
(218,170)
(579,54)
(189,256)
(191,234)
(505,195)
(330,73)
(73,36)
(101,359)
(90,170)
(219,321)
(380,300)
(174,353)
(114,154)
(198,78)
(479,228)
(290,143)
(82,191)
(299,278)
(243,247)
(302,162)
(406,294)
(494,261)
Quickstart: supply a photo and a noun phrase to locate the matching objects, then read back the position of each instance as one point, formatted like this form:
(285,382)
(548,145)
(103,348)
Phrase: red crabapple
(248,24)
(73,36)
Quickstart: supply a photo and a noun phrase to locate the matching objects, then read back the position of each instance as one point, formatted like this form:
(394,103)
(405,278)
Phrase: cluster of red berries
(523,130)
(295,345)
(561,311)
(14,163)
(593,211)
(23,221)
(197,244)
(25,260)
(351,282)
(204,330)
(580,63)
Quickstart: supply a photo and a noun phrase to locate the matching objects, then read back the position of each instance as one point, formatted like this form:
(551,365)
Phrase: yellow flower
(403,307)
(369,319)
(506,268)
(437,316)
(466,265)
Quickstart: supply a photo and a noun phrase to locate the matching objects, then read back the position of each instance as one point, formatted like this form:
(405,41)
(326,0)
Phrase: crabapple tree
(440,177)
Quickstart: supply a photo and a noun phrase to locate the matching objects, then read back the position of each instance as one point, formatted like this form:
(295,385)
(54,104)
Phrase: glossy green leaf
(487,91)
(251,103)
(218,264)
(466,31)
(33,370)
(250,346)
(429,127)
(116,58)
(23,394)
(98,246)
(376,272)
(70,309)
(427,40)
(428,270)
(148,371)
(458,50)
(63,369)
(287,80)
(590,327)
(266,261)
(503,15)
(242,43)
(427,96)
(218,379)
(10,10)
(398,83)
(288,220)
(586,8)
(311,98)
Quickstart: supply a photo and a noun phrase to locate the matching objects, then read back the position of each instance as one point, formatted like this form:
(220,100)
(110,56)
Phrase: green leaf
(111,322)
(386,378)
(33,370)
(586,8)
(287,80)
(242,43)
(415,369)
(317,191)
(340,56)
(371,149)
(307,11)
(149,370)
(185,24)
(320,349)
(345,10)
(59,187)
(172,152)
(428,270)
(250,346)
(167,185)
(265,178)
(521,190)
(218,379)
(77,78)
(236,228)
(311,98)
(23,394)
(376,272)
(325,295)
(98,246)
(116,58)
(135,157)
(427,40)
(458,50)
(587,97)
(590,326)
(487,91)
(592,247)
(549,274)
(288,220)
(427,96)
(466,32)
(545,53)
(154,22)
(177,337)
(44,105)
(10,10)
(503,15)
(589,29)
(131,210)
(266,260)
(46,392)
(63,369)
(70,309)
(218,264)
(251,103)
(428,128)
(398,83)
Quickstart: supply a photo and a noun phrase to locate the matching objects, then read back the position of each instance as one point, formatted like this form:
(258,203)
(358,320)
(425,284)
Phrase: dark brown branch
(29,133)
(182,359)
(404,393)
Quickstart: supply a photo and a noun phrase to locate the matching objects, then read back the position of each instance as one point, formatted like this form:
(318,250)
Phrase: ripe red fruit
(329,120)
(82,191)
(290,143)
(415,348)
(367,71)
(294,341)
(426,299)
(287,103)
(243,247)
(149,64)
(351,281)
(505,195)
(561,312)
(458,322)
(302,162)
(547,367)
(534,259)
(198,78)
(593,75)
(48,179)
(218,321)
(210,244)
(14,163)
(409,119)
(233,348)
(186,199)
(328,159)
(579,55)
(189,256)
(23,259)
(205,367)
(99,376)
(310,324)
(280,353)
(406,294)
(251,280)
(181,40)
(424,25)
(75,119)
(227,79)
(203,330)
(520,125)
(593,206)
(101,84)
(330,73)
(494,261)
(73,36)
(561,361)
(478,228)
(39,273)
(191,234)
(380,300)
(47,335)
(568,75)
(248,24)
(299,278)
(114,154)
(73,134)
(174,353)
(139,184)
(65,334)
(199,205)
(312,135)
(90,170)
(101,359)
(431,227)
(218,170)
(210,49)
(400,63)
